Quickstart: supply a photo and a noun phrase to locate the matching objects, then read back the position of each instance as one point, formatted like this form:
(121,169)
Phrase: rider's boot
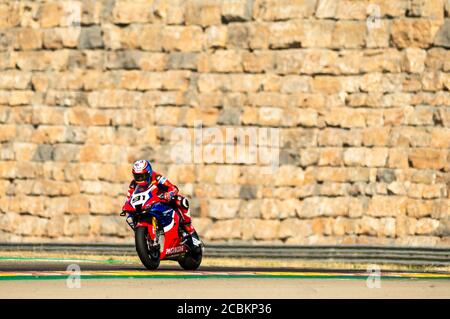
(191,236)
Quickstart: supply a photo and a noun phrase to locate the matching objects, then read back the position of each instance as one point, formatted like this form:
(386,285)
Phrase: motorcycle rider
(144,176)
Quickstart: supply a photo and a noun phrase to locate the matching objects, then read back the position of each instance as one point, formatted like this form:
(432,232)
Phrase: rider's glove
(168,196)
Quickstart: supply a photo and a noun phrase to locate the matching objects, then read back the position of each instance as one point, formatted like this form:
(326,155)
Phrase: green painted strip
(215,276)
(107,261)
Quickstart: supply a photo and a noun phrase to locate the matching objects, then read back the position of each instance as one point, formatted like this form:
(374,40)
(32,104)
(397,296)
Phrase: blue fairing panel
(163,213)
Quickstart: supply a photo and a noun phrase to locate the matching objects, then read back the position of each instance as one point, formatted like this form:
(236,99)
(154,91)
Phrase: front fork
(151,227)
(130,222)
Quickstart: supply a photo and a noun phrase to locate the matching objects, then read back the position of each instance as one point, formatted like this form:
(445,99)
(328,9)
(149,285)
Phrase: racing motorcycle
(158,231)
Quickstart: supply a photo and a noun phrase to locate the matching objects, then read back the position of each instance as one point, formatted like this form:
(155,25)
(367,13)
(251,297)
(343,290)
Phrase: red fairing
(172,242)
(127,207)
(153,200)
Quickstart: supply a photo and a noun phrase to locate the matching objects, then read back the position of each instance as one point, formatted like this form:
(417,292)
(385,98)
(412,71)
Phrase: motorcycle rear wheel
(149,258)
(191,260)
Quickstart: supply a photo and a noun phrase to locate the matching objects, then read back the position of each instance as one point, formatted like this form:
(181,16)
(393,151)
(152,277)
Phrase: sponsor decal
(196,242)
(174,250)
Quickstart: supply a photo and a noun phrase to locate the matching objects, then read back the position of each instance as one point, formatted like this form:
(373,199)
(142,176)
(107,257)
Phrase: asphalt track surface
(49,278)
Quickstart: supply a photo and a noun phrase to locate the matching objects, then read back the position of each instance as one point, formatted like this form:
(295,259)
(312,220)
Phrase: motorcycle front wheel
(149,257)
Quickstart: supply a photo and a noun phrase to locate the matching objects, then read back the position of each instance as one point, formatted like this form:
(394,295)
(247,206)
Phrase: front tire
(149,258)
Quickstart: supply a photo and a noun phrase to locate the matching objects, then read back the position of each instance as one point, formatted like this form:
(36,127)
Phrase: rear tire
(192,259)
(149,258)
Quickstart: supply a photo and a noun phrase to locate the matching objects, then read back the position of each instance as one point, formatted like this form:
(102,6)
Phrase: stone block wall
(358,91)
